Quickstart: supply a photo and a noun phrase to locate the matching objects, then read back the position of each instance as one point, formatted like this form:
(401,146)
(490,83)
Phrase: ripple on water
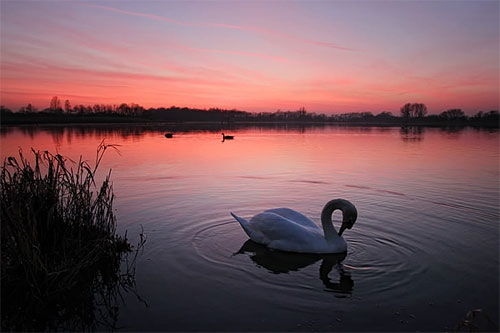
(383,263)
(376,261)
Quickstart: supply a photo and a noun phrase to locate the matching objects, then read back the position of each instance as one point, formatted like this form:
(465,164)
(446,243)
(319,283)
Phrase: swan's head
(349,216)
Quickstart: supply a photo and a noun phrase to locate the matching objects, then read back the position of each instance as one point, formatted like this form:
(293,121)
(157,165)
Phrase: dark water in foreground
(422,253)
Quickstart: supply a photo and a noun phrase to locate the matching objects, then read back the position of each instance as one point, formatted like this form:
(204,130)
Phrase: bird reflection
(278,262)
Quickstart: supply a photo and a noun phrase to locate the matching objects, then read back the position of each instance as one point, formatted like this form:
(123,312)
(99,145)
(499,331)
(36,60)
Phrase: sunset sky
(326,56)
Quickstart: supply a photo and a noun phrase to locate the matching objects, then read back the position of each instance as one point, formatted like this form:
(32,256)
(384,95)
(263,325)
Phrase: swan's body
(169,135)
(288,230)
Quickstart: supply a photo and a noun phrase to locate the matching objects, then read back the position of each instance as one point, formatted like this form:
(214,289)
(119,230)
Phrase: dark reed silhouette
(63,265)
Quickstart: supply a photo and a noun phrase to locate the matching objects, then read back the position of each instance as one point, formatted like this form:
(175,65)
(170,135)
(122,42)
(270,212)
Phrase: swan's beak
(342,228)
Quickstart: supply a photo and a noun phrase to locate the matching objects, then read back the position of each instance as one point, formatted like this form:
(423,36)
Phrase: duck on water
(227,137)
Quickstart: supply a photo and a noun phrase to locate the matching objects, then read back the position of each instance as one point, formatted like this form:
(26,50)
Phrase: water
(423,252)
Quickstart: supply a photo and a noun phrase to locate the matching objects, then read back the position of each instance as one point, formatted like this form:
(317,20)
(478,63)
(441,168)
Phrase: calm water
(422,253)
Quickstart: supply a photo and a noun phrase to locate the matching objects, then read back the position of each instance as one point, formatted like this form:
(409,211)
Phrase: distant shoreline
(410,115)
(114,122)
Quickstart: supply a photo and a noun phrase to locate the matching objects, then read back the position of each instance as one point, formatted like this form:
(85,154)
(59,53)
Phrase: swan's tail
(243,223)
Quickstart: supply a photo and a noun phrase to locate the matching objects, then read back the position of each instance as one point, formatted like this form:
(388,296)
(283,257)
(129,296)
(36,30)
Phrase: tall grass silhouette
(63,264)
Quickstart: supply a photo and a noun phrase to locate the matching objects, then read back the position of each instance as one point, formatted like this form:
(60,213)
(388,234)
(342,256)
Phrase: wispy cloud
(258,30)
(241,53)
(281,35)
(151,16)
(47,69)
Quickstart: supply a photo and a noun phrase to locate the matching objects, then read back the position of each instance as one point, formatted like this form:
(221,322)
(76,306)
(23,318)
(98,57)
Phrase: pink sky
(330,57)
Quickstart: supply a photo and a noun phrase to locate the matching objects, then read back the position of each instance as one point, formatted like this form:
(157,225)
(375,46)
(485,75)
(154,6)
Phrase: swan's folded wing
(254,234)
(275,227)
(294,216)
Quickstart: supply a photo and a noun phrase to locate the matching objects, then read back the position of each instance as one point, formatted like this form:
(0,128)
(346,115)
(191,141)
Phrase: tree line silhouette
(63,112)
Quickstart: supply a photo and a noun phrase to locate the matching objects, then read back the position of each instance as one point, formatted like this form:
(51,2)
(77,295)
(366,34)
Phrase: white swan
(287,230)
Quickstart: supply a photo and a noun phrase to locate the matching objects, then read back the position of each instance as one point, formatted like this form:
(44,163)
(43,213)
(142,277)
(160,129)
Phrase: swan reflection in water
(278,262)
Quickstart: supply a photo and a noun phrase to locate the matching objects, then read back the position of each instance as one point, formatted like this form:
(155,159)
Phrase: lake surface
(423,252)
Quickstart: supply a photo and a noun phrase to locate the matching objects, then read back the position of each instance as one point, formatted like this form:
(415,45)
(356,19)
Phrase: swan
(227,137)
(169,135)
(288,230)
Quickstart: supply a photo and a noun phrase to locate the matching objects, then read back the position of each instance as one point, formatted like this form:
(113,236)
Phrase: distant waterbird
(288,230)
(227,137)
(169,135)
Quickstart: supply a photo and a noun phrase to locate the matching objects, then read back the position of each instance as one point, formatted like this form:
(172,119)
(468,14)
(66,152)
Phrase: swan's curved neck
(326,217)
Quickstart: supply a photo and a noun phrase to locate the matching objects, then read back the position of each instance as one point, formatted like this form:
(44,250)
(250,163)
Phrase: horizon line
(394,113)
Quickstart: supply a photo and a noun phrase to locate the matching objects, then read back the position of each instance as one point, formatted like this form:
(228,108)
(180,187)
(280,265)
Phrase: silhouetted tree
(136,109)
(452,114)
(406,110)
(301,113)
(27,109)
(415,110)
(490,118)
(30,108)
(55,105)
(67,106)
(478,115)
(4,110)
(492,113)
(385,115)
(419,110)
(123,109)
